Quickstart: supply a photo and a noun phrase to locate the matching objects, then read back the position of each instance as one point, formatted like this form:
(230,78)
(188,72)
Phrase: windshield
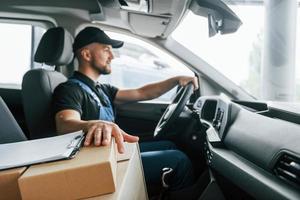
(238,56)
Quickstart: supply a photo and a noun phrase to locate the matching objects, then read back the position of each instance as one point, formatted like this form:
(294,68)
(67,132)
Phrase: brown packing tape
(9,189)
(91,173)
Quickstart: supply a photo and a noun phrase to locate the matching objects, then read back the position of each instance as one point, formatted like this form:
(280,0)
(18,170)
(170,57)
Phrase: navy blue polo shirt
(69,95)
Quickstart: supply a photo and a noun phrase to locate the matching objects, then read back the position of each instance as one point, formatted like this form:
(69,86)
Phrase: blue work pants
(157,155)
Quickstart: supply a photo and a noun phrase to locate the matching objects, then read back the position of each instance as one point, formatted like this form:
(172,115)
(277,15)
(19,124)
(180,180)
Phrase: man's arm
(97,131)
(153,90)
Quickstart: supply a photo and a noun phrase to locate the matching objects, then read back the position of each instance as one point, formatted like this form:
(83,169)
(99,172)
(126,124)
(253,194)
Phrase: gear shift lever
(167,173)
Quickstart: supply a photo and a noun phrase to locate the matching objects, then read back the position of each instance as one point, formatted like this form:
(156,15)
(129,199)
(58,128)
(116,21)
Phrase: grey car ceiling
(108,12)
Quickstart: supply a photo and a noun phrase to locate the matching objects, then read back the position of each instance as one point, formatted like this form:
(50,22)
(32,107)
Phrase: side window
(18,44)
(138,63)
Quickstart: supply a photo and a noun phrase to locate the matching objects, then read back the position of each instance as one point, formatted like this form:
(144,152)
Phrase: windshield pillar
(278,67)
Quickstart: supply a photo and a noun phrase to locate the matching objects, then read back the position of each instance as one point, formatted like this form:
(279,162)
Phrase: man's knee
(181,161)
(168,158)
(155,161)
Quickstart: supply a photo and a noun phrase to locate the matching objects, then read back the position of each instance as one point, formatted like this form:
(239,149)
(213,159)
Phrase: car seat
(10,130)
(54,49)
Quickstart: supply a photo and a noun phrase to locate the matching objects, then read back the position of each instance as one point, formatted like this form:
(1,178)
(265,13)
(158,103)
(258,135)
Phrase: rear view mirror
(221,19)
(213,25)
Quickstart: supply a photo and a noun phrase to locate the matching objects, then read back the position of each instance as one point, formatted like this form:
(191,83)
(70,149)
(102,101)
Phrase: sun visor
(161,16)
(158,24)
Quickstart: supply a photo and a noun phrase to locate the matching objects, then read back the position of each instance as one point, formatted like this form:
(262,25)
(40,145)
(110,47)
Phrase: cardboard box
(9,189)
(91,173)
(130,177)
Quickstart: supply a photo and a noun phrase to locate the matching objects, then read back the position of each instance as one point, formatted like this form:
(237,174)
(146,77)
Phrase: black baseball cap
(93,34)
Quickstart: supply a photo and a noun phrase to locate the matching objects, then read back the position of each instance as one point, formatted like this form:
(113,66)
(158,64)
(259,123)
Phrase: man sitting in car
(82,103)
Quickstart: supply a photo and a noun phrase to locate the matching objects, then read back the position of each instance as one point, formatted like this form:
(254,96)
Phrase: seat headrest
(55,47)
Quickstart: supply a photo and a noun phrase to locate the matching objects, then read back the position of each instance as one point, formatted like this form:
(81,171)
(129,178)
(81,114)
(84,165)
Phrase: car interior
(241,147)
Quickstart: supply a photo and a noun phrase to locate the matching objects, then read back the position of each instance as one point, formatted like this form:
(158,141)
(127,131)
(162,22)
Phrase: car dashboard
(253,144)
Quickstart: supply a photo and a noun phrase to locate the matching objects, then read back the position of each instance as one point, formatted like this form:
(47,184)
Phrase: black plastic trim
(256,181)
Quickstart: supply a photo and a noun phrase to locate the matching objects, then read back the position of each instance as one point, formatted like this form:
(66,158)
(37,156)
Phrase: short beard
(103,70)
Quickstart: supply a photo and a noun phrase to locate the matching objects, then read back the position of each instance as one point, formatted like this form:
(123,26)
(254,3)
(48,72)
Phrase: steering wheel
(173,111)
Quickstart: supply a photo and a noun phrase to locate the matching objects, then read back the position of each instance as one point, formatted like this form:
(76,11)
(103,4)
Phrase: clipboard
(31,152)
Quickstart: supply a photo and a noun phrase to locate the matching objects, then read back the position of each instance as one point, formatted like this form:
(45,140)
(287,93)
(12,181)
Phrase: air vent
(288,168)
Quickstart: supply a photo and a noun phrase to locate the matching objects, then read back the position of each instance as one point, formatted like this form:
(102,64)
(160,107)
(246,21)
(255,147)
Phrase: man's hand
(184,80)
(100,133)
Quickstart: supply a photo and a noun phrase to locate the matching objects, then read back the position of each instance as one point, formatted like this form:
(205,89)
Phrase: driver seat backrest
(55,49)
